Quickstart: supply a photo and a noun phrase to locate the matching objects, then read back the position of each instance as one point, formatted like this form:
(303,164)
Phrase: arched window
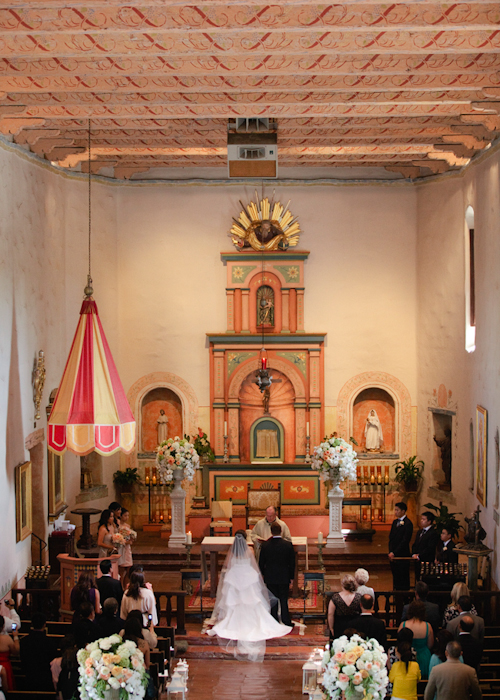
(470,282)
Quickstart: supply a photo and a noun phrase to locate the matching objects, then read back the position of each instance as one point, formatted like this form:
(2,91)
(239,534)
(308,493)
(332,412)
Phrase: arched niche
(158,380)
(402,407)
(267,440)
(159,399)
(270,280)
(378,399)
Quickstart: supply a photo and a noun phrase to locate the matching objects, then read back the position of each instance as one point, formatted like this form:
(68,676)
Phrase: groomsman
(399,546)
(424,547)
(277,564)
(446,553)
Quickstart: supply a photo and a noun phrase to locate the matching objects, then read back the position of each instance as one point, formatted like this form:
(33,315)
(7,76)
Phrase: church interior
(303,192)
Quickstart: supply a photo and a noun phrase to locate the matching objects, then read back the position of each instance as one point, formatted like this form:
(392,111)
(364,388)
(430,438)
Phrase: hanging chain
(88,291)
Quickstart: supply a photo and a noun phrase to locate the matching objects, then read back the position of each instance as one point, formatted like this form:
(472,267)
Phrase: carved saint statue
(265,306)
(445,447)
(373,432)
(162,423)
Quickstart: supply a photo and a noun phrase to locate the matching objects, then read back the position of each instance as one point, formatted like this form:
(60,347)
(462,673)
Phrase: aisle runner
(293,603)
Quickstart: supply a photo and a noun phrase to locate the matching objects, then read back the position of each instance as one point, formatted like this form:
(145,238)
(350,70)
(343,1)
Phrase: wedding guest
(452,611)
(404,674)
(133,632)
(125,562)
(10,616)
(109,623)
(366,622)
(453,680)
(85,591)
(84,629)
(432,615)
(108,586)
(464,605)
(445,551)
(472,651)
(444,637)
(361,576)
(55,665)
(69,678)
(138,597)
(148,633)
(105,534)
(404,635)
(116,509)
(343,607)
(424,547)
(9,646)
(4,683)
(37,651)
(423,637)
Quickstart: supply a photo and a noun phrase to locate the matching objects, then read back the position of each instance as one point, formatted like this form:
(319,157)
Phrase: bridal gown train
(242,611)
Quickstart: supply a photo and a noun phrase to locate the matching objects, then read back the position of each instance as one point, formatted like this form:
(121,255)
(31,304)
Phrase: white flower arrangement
(357,668)
(337,455)
(176,453)
(110,663)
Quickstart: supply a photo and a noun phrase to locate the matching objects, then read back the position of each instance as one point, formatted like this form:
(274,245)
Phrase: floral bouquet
(357,668)
(176,453)
(202,446)
(118,539)
(127,534)
(110,663)
(337,455)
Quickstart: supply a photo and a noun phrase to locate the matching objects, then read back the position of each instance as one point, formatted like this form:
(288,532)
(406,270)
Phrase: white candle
(225,427)
(189,538)
(320,537)
(307,429)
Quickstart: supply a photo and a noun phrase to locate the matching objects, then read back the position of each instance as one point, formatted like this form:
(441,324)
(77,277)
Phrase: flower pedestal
(177,539)
(335,539)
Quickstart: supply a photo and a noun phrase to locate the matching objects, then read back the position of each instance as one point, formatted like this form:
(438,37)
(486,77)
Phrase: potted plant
(125,480)
(409,473)
(445,519)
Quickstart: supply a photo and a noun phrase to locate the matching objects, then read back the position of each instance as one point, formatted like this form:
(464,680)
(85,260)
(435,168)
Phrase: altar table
(214,545)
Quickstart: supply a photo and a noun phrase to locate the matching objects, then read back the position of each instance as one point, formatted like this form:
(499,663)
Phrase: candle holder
(226,454)
(188,547)
(308,449)
(321,563)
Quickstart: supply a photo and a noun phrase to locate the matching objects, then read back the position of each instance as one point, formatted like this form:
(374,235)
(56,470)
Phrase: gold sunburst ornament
(265,225)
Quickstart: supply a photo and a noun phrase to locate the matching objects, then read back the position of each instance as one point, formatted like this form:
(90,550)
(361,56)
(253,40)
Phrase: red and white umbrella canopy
(90,412)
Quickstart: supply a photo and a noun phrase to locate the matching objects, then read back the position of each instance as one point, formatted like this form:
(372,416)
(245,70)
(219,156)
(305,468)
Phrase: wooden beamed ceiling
(413,87)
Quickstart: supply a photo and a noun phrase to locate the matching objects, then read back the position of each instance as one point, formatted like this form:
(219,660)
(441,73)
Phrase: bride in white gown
(241,617)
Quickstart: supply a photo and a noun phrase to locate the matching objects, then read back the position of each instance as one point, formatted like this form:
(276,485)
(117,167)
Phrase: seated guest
(439,648)
(423,637)
(472,651)
(147,633)
(11,617)
(445,550)
(464,605)
(404,674)
(367,623)
(343,607)
(362,577)
(139,597)
(108,586)
(432,615)
(9,646)
(69,677)
(84,628)
(452,611)
(133,632)
(37,651)
(109,623)
(55,665)
(453,680)
(85,591)
(404,635)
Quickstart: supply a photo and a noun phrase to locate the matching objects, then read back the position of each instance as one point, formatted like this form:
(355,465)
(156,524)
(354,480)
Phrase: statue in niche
(162,423)
(265,306)
(445,447)
(373,432)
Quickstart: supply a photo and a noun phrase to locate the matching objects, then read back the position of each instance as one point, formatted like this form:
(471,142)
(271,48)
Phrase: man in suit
(277,564)
(371,626)
(37,651)
(432,615)
(424,547)
(464,604)
(445,552)
(453,680)
(471,649)
(399,546)
(108,586)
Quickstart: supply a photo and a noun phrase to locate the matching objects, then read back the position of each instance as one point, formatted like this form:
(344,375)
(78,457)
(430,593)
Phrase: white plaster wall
(473,378)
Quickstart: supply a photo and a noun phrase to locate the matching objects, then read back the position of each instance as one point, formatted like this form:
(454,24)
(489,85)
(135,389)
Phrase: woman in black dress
(343,607)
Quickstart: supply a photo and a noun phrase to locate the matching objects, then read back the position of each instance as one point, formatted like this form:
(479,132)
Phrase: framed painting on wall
(23,501)
(481,454)
(55,465)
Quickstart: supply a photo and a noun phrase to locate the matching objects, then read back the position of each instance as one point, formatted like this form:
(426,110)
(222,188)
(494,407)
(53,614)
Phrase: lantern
(176,690)
(309,677)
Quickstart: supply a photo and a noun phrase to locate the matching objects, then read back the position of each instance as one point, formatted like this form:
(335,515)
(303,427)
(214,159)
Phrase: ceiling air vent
(252,153)
(252,148)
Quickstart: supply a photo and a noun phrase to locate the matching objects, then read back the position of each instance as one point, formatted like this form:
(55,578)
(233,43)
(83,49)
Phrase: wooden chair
(257,502)
(222,517)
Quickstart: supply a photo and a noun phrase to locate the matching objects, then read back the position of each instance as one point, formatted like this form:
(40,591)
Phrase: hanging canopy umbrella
(90,412)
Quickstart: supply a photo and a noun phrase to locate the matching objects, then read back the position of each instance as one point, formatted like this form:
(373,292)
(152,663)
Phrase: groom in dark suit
(277,564)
